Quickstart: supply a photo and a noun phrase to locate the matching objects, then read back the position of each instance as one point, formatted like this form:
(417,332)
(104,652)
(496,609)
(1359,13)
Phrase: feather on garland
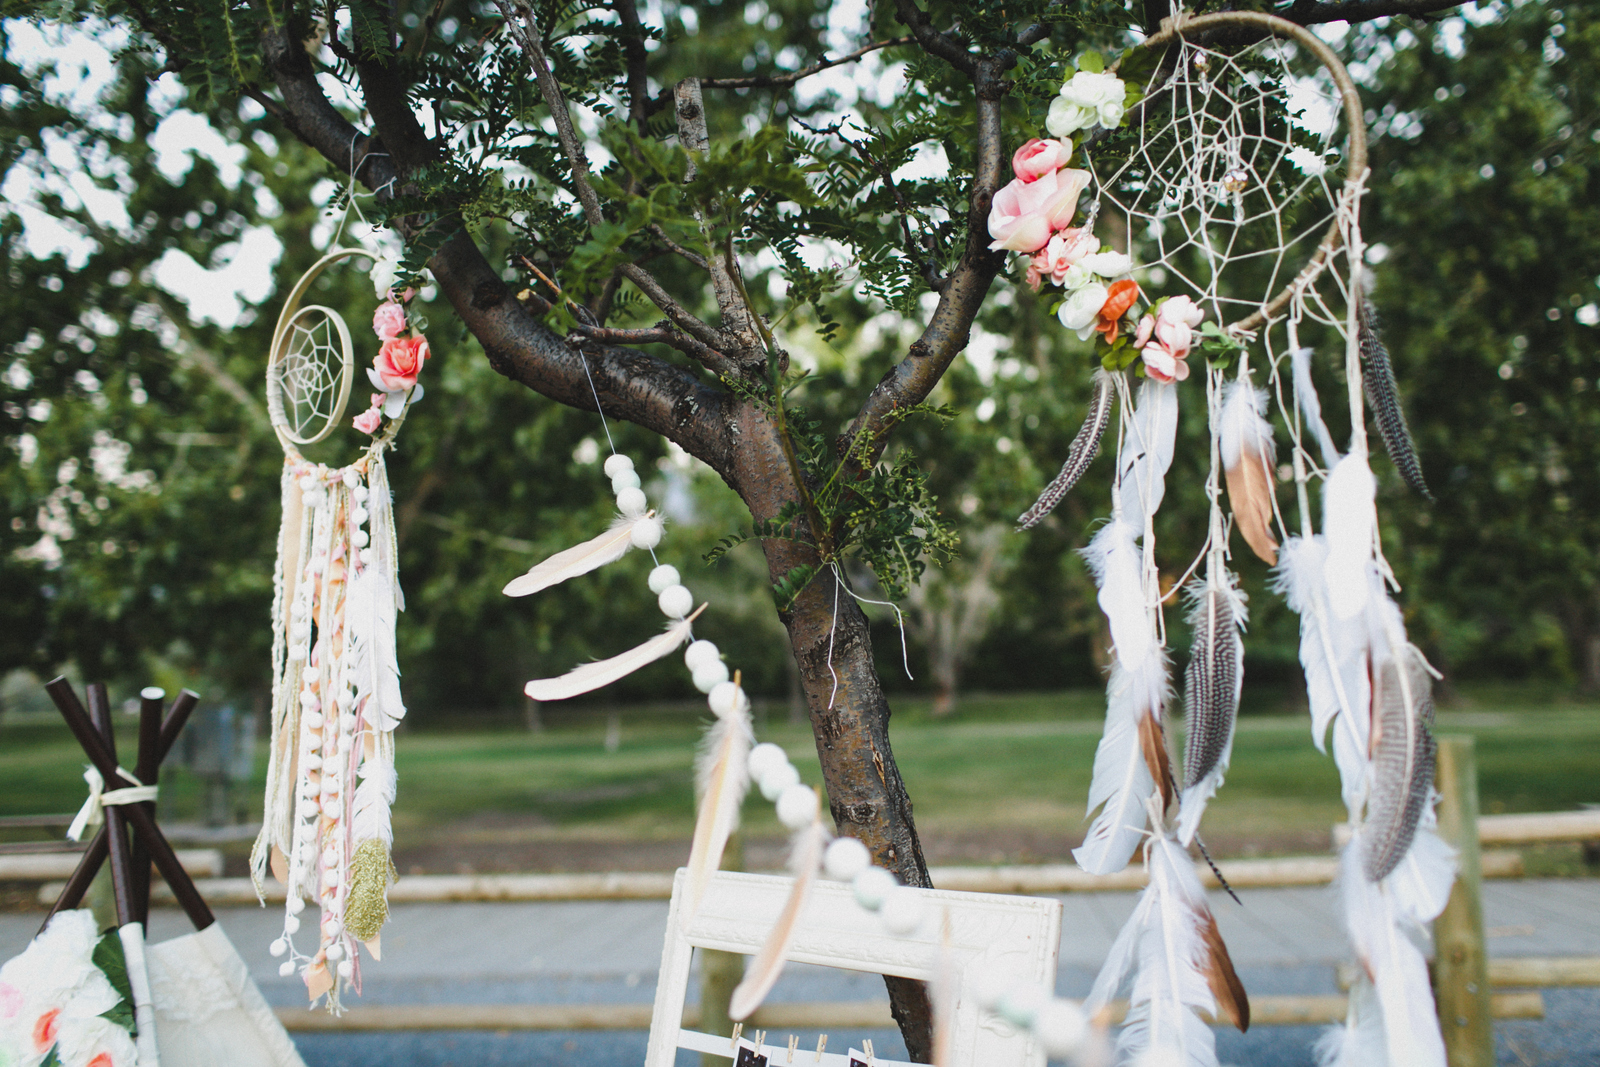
(1181,968)
(722,777)
(1085,446)
(588,676)
(579,559)
(1248,454)
(805,860)
(1213,683)
(1383,394)
(1113,558)
(1350,529)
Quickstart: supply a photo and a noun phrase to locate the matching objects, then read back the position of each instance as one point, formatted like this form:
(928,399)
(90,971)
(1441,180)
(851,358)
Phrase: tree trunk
(849,713)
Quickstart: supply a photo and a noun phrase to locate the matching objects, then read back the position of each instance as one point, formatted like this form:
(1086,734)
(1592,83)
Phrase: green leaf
(791,585)
(109,959)
(1093,62)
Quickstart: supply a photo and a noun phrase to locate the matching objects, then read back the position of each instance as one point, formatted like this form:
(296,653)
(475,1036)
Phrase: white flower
(1085,100)
(1076,277)
(383,272)
(1107,264)
(1079,309)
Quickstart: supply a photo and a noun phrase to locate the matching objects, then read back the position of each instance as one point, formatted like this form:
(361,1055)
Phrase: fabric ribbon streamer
(335,704)
(91,814)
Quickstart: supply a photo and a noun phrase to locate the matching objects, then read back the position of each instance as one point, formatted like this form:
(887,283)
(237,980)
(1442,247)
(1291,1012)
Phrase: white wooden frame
(1015,939)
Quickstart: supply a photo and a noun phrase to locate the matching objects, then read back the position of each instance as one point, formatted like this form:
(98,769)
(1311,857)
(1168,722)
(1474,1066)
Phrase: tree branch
(737,316)
(638,58)
(632,385)
(1310,13)
(673,246)
(932,41)
(946,334)
(773,81)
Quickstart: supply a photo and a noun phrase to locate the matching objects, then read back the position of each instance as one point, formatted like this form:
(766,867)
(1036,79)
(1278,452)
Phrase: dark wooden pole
(148,771)
(122,885)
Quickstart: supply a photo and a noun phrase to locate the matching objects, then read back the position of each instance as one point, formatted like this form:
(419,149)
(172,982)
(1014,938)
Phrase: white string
(837,582)
(905,656)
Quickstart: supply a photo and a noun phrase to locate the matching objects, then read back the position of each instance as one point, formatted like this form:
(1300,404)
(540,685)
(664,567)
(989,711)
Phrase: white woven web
(306,381)
(1234,180)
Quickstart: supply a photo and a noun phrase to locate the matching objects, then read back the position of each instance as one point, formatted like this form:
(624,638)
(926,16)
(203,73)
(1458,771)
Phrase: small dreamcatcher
(336,700)
(1231,176)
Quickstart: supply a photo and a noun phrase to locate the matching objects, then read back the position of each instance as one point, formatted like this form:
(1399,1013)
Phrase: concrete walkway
(1282,941)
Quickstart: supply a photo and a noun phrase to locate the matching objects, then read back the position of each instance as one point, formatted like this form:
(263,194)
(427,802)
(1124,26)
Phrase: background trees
(832,237)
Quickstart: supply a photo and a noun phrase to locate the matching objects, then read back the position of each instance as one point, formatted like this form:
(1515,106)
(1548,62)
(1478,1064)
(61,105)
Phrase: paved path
(1282,941)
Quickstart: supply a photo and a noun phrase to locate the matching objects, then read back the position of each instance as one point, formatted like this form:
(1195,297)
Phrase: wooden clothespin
(738,1028)
(866,1046)
(822,1043)
(794,1043)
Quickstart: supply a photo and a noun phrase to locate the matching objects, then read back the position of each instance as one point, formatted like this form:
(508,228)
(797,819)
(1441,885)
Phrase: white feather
(1421,884)
(1170,991)
(805,860)
(1334,654)
(590,676)
(721,776)
(373,665)
(1306,393)
(1147,448)
(1122,780)
(1242,426)
(1359,1041)
(1115,562)
(369,819)
(1390,949)
(579,559)
(1350,526)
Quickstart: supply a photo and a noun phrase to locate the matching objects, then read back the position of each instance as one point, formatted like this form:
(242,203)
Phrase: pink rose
(1063,250)
(10,1001)
(1033,276)
(1023,215)
(1162,365)
(1182,309)
(399,362)
(368,420)
(389,321)
(1037,158)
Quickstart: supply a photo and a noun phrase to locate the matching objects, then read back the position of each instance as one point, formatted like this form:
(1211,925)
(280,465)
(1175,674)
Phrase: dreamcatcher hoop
(306,398)
(1176,29)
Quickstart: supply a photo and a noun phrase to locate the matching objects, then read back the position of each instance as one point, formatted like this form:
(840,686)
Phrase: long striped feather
(1213,683)
(1383,394)
(1403,751)
(1085,446)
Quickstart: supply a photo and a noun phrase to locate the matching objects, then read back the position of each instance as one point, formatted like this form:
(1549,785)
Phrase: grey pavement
(1283,941)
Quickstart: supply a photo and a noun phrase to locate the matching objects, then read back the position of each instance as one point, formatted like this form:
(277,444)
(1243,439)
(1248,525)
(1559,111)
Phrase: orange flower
(1119,298)
(44,1030)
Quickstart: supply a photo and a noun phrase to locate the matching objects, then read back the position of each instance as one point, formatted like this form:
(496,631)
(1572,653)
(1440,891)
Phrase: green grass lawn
(1006,762)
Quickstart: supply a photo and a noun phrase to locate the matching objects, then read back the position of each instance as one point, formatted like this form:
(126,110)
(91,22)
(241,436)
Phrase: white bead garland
(624,480)
(675,601)
(632,502)
(764,757)
(646,531)
(700,653)
(725,698)
(663,578)
(616,464)
(797,806)
(872,887)
(777,779)
(709,676)
(845,858)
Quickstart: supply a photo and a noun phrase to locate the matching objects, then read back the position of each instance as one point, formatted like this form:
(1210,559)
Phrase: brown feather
(1153,743)
(1232,1001)
(1250,494)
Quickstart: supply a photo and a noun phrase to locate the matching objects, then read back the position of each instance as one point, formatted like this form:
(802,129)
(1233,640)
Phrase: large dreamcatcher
(336,700)
(1228,184)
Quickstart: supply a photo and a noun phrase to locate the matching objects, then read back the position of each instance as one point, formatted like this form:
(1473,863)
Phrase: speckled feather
(1384,396)
(1403,751)
(1084,448)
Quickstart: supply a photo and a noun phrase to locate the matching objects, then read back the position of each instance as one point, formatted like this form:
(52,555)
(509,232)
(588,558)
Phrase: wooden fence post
(1461,965)
(720,972)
